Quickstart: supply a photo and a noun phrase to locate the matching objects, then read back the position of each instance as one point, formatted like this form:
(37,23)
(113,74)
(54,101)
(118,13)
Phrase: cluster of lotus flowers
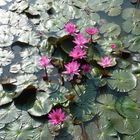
(78,53)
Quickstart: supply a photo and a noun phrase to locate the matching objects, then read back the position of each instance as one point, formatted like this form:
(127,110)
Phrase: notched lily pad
(42,105)
(9,113)
(122,81)
(16,130)
(110,30)
(114,11)
(132,20)
(127,107)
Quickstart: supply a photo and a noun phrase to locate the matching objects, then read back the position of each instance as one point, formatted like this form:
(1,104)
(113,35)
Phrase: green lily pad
(114,11)
(106,105)
(128,108)
(66,43)
(58,97)
(134,94)
(131,23)
(134,44)
(110,30)
(85,108)
(42,133)
(101,129)
(9,113)
(42,105)
(122,81)
(126,126)
(16,131)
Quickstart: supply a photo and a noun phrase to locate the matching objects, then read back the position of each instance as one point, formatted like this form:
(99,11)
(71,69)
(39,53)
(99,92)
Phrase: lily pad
(15,130)
(42,132)
(122,81)
(9,113)
(110,30)
(42,105)
(66,43)
(128,108)
(132,22)
(6,57)
(85,108)
(126,126)
(6,37)
(114,11)
(134,44)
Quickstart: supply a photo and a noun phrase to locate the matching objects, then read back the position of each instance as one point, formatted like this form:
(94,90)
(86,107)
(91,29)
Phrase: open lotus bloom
(113,46)
(80,40)
(72,69)
(106,61)
(92,30)
(70,28)
(56,116)
(44,61)
(78,53)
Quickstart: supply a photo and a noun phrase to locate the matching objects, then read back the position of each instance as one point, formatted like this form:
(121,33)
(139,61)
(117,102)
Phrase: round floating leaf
(101,129)
(19,6)
(4,99)
(131,15)
(125,126)
(110,29)
(6,57)
(106,105)
(42,105)
(128,108)
(123,64)
(25,118)
(15,130)
(134,44)
(42,133)
(114,11)
(85,108)
(9,113)
(60,55)
(134,94)
(127,26)
(122,81)
(6,37)
(29,37)
(59,96)
(74,130)
(66,43)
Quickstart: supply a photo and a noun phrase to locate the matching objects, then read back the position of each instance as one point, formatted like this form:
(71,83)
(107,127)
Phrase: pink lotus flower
(86,68)
(113,46)
(80,40)
(106,62)
(44,61)
(78,53)
(72,68)
(92,30)
(57,116)
(70,28)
